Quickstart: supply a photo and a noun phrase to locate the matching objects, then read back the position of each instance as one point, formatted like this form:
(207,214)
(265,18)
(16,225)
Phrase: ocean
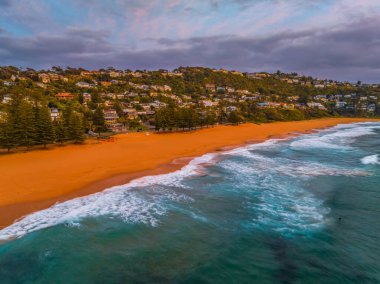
(296,210)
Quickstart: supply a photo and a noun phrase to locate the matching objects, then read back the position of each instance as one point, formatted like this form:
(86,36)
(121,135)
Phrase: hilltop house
(83,85)
(210,87)
(64,96)
(316,105)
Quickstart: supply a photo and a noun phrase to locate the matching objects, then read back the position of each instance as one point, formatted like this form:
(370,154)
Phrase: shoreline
(122,175)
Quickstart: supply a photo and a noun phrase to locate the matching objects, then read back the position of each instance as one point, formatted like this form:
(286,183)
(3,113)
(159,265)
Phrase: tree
(99,120)
(22,118)
(7,134)
(234,118)
(61,134)
(75,130)
(45,130)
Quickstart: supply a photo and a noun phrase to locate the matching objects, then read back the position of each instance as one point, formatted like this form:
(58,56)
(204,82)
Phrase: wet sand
(38,179)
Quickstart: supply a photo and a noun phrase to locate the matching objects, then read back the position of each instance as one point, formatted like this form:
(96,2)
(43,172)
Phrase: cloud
(336,39)
(5,3)
(348,53)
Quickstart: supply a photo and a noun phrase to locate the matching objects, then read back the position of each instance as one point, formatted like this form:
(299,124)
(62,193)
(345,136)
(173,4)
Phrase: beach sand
(36,180)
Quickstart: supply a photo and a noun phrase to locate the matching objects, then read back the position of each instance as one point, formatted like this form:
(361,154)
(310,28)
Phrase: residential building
(54,114)
(64,96)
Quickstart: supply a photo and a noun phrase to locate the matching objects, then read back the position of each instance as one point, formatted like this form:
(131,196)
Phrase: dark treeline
(28,123)
(172,117)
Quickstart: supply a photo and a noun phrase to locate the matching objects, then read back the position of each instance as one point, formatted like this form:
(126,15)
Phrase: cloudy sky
(331,39)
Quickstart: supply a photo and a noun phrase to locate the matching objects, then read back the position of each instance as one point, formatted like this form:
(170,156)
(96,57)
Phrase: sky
(325,38)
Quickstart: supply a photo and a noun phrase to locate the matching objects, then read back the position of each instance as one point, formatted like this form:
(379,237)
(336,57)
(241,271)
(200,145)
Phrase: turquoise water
(303,210)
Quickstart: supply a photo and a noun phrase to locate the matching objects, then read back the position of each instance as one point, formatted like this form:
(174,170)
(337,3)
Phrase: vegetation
(185,99)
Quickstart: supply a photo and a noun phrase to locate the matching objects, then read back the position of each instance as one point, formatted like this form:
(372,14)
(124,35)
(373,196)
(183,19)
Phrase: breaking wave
(276,181)
(370,160)
(142,200)
(339,137)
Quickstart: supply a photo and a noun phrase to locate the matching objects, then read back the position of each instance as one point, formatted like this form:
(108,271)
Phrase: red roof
(64,96)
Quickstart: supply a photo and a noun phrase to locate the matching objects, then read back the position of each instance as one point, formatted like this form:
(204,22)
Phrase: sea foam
(145,199)
(339,137)
(370,160)
(128,202)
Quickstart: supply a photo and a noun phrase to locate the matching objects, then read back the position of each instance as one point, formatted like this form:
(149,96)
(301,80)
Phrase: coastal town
(111,100)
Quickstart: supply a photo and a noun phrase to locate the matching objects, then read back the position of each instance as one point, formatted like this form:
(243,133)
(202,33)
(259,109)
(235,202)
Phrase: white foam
(338,137)
(136,206)
(370,160)
(122,201)
(293,168)
(268,144)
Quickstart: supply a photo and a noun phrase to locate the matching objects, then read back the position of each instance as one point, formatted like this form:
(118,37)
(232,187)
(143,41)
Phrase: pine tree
(45,130)
(99,121)
(75,130)
(7,134)
(60,130)
(22,118)
(27,123)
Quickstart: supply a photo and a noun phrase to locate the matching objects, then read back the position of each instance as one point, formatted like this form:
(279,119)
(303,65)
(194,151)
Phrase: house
(136,74)
(7,98)
(243,92)
(54,114)
(371,108)
(85,73)
(263,104)
(86,97)
(120,96)
(83,85)
(64,96)
(110,116)
(210,87)
(53,77)
(6,83)
(293,98)
(115,74)
(237,73)
(340,104)
(44,78)
(131,113)
(220,89)
(41,85)
(252,98)
(105,83)
(230,89)
(260,75)
(132,94)
(231,109)
(316,105)
(140,87)
(208,103)
(172,74)
(163,88)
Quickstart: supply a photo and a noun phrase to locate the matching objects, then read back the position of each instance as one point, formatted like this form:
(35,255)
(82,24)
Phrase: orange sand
(43,177)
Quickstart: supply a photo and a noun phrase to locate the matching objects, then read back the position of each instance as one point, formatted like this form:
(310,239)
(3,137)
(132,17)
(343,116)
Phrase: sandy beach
(35,180)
